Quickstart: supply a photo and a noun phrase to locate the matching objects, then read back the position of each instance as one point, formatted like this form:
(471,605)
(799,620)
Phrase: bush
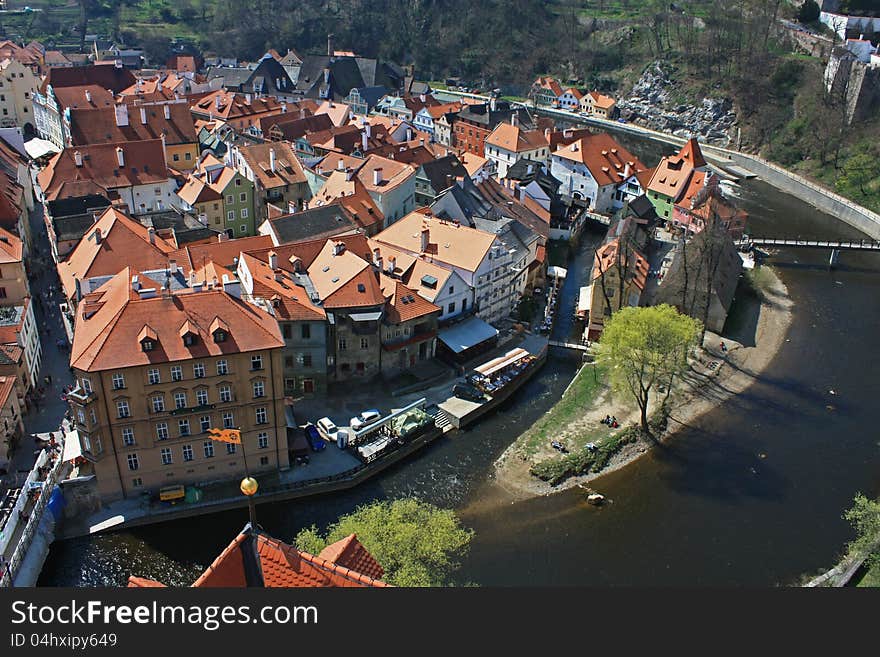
(809,12)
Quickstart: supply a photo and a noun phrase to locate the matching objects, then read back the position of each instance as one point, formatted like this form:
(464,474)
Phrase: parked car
(328,429)
(314,437)
(363,419)
(468,392)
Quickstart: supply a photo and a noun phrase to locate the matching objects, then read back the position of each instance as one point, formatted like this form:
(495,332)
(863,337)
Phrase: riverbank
(754,333)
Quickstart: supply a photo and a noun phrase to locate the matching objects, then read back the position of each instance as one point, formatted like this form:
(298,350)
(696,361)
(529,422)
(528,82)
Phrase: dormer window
(189,333)
(148,338)
(219,329)
(219,335)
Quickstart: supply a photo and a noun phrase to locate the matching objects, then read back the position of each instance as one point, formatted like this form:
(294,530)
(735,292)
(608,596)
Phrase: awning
(72,448)
(585,298)
(366,317)
(467,334)
(37,148)
(557,272)
(496,364)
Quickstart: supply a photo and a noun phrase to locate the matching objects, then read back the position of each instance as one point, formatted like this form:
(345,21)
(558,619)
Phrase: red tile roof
(110,320)
(287,171)
(144,165)
(603,156)
(98,126)
(76,97)
(107,76)
(350,553)
(254,559)
(403,303)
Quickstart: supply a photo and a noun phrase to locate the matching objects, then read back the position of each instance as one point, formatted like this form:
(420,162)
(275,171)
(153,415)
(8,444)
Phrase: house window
(199,370)
(153,376)
(205,423)
(262,440)
(238,183)
(176,157)
(365,343)
(187,452)
(176,373)
(158,404)
(261,416)
(187,156)
(118,381)
(231,448)
(451,308)
(228,420)
(264,460)
(225,394)
(259,389)
(179,400)
(230,215)
(93,415)
(242,229)
(137,482)
(343,345)
(122,409)
(256,362)
(307,360)
(242,197)
(230,199)
(183,427)
(306,331)
(81,416)
(87,386)
(167,459)
(209,448)
(287,331)
(162,431)
(147,345)
(202,397)
(244,213)
(133,463)
(222,367)
(128,436)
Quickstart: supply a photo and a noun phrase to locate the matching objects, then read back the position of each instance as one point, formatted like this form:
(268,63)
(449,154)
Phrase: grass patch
(760,280)
(578,398)
(871,578)
(582,461)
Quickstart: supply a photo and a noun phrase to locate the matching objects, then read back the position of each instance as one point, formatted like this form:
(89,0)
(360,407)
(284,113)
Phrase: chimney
(151,233)
(349,173)
(409,134)
(514,119)
(172,264)
(167,109)
(302,113)
(340,165)
(272,159)
(573,147)
(222,237)
(392,264)
(78,285)
(217,102)
(77,158)
(368,129)
(426,237)
(273,260)
(529,169)
(377,259)
(626,171)
(97,235)
(121,110)
(291,206)
(164,154)
(377,176)
(88,96)
(492,104)
(422,97)
(192,277)
(135,283)
(283,107)
(338,248)
(296,263)
(365,143)
(120,157)
(329,45)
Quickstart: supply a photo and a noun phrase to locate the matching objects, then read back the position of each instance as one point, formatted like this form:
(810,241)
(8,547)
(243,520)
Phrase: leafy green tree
(809,12)
(859,173)
(416,543)
(644,348)
(865,519)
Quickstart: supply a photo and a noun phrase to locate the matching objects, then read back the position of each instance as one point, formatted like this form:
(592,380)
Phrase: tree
(809,12)
(864,516)
(416,543)
(645,348)
(859,172)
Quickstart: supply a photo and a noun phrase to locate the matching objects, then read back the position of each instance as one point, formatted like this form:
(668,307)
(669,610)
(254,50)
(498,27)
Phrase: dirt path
(715,376)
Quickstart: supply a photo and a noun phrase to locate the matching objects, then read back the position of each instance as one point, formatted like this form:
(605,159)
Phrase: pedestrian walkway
(48,408)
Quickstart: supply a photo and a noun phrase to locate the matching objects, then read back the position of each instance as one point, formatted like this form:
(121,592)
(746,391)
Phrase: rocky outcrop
(652,103)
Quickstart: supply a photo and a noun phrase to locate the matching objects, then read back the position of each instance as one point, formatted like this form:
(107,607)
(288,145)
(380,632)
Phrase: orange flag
(226,435)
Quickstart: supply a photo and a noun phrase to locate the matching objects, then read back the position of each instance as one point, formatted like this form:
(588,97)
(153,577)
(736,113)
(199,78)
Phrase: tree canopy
(645,348)
(864,516)
(415,542)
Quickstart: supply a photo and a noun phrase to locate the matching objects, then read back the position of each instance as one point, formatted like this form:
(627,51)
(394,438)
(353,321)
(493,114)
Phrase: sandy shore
(702,389)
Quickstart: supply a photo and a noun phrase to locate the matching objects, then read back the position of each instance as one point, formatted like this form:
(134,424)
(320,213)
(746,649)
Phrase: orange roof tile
(288,170)
(290,300)
(123,242)
(402,302)
(10,247)
(603,156)
(111,321)
(350,553)
(514,139)
(145,121)
(196,256)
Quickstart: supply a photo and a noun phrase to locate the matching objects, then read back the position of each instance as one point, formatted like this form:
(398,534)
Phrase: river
(751,495)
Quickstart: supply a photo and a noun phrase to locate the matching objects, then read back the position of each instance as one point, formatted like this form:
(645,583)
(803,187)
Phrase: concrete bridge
(837,245)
